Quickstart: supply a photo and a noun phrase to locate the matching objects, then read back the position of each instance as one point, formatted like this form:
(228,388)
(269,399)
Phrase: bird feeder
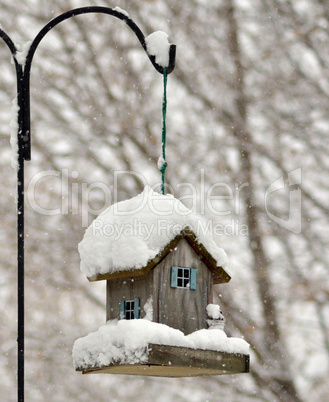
(160,267)
(158,290)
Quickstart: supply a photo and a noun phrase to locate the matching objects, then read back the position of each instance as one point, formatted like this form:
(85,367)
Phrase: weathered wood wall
(184,309)
(139,287)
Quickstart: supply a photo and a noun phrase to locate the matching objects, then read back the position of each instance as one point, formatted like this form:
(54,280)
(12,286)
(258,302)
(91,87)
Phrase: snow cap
(130,233)
(157,45)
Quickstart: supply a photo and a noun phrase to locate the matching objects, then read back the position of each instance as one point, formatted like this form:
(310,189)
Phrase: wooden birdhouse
(179,279)
(160,266)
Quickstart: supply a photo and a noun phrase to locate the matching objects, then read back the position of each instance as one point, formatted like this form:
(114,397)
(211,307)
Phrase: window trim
(192,278)
(123,310)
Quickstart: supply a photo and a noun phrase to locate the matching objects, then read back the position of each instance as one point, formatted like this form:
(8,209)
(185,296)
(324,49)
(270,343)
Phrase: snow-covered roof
(131,233)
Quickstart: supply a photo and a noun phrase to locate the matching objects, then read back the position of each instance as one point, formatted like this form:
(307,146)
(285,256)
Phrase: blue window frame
(182,277)
(129,309)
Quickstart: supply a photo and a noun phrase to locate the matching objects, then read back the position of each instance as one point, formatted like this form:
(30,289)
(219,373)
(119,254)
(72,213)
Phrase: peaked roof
(219,273)
(133,236)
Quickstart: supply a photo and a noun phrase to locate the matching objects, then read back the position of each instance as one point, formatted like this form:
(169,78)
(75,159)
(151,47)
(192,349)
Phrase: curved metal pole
(49,27)
(24,145)
(20,219)
(8,42)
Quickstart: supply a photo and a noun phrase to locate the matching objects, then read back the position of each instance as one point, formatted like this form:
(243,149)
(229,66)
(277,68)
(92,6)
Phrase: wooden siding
(183,309)
(139,287)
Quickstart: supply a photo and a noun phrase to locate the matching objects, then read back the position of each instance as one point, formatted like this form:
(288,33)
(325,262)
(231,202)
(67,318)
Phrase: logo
(273,197)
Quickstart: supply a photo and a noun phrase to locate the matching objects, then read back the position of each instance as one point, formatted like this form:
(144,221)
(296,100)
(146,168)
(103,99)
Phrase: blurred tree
(248,104)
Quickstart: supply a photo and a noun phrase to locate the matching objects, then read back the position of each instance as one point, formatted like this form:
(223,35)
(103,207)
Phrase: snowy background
(247,103)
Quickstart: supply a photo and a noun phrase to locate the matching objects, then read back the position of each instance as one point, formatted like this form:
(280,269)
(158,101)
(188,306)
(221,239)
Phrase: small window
(129,309)
(183,278)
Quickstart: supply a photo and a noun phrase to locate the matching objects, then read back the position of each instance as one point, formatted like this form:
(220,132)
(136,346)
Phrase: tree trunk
(283,383)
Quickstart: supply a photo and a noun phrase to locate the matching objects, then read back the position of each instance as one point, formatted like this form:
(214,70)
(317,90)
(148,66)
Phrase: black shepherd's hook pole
(24,145)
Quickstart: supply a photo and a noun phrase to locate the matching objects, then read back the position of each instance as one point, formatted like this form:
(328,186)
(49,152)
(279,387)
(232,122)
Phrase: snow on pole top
(131,233)
(157,45)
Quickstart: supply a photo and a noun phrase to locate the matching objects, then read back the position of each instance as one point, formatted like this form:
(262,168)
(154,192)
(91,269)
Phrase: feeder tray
(174,361)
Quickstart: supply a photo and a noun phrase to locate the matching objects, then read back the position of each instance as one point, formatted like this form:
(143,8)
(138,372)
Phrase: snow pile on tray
(157,45)
(132,232)
(126,342)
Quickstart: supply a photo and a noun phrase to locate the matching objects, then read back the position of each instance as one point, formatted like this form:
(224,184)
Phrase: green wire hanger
(162,164)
